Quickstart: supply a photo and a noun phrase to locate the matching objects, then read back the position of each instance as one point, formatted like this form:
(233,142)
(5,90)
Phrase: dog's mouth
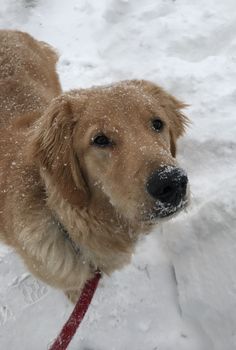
(165,211)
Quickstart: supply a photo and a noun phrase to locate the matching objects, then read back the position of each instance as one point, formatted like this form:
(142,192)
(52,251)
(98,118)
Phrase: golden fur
(58,190)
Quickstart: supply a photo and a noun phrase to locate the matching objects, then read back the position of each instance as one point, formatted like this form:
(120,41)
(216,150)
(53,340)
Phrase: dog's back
(28,82)
(28,79)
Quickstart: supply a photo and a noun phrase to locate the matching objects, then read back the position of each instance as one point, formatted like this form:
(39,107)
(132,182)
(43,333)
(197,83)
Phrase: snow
(180,290)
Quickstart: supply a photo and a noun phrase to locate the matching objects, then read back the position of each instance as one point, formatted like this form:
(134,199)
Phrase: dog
(83,173)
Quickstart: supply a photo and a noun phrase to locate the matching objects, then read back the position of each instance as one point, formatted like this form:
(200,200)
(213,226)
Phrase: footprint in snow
(5,314)
(32,290)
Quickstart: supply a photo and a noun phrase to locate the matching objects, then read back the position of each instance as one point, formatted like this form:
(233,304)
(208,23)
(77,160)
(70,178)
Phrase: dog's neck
(103,238)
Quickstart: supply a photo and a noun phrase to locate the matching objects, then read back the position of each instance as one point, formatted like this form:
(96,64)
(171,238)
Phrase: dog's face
(116,145)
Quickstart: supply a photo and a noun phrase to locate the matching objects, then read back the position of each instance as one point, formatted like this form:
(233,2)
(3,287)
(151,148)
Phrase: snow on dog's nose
(168,185)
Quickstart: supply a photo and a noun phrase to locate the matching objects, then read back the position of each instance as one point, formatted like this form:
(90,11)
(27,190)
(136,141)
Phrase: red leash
(77,315)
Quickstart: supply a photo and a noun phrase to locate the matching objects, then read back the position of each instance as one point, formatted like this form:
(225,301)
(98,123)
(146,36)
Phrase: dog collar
(67,237)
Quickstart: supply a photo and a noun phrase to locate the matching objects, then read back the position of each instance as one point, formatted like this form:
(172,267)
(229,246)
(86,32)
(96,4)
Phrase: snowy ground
(180,291)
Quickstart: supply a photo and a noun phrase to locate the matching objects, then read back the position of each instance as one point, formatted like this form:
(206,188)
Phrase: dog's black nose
(168,185)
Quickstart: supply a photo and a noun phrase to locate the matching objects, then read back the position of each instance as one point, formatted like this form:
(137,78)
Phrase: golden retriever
(84,173)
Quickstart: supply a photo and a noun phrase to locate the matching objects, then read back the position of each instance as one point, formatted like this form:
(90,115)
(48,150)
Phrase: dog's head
(115,146)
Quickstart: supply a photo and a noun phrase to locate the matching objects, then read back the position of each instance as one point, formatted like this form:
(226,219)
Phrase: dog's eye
(157,124)
(101,140)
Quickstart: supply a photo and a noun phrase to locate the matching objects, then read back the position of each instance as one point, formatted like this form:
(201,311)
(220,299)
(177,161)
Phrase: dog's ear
(51,146)
(172,107)
(178,121)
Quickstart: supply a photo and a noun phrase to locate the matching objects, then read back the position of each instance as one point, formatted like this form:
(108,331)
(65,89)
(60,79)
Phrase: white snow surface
(180,290)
